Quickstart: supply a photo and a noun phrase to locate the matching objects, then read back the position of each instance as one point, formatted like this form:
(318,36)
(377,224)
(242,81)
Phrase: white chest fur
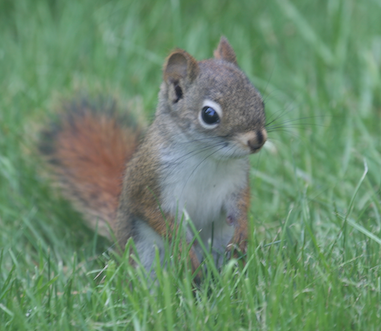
(204,187)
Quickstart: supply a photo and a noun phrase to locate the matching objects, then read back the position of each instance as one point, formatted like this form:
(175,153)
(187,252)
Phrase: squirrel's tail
(88,148)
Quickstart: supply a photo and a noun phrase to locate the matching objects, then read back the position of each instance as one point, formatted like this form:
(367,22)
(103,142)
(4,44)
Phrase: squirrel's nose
(257,140)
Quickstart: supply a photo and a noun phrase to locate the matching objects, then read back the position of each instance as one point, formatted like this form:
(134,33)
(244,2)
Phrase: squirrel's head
(213,102)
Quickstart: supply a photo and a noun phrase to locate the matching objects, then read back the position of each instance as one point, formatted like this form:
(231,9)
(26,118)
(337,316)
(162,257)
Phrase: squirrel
(193,158)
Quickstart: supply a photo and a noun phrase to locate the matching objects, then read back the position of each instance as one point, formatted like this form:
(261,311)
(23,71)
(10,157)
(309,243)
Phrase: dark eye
(209,116)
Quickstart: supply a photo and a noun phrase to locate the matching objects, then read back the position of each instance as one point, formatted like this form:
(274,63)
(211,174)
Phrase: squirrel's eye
(209,116)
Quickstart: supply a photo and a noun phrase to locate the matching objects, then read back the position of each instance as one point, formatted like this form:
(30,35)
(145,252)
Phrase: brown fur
(241,231)
(89,151)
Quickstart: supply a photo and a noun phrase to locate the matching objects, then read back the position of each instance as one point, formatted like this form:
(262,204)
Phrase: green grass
(315,254)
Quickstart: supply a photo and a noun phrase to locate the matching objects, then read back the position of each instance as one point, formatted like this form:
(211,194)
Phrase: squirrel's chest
(203,188)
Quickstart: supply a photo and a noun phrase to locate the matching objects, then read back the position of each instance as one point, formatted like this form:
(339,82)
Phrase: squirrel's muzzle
(254,139)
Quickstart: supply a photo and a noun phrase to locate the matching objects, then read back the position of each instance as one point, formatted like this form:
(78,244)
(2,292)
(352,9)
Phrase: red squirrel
(193,159)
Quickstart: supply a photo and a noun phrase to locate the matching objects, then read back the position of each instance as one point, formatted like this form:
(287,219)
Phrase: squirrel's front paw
(237,246)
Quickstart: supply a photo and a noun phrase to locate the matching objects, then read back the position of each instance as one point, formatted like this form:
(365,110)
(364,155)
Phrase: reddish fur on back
(89,152)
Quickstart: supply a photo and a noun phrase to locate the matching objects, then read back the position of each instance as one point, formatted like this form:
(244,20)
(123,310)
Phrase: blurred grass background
(314,260)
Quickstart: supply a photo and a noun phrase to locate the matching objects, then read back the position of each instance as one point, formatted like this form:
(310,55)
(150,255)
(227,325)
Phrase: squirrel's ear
(225,52)
(180,66)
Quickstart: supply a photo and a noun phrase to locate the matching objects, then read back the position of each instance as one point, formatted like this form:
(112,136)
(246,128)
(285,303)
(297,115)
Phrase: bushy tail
(88,148)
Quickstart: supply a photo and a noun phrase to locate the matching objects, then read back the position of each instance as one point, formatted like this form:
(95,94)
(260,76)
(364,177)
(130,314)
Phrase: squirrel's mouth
(255,149)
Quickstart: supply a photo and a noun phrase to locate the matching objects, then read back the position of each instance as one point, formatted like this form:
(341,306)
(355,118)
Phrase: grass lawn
(314,260)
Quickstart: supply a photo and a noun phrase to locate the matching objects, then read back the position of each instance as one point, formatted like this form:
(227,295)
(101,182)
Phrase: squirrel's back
(88,148)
